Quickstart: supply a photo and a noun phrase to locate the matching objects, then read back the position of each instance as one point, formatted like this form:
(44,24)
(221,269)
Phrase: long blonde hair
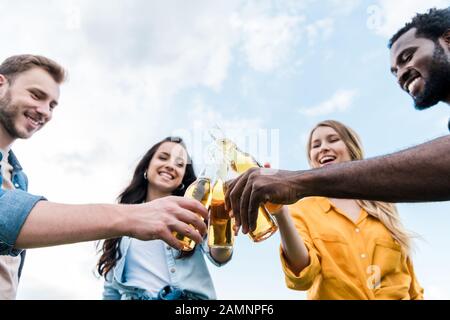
(383,211)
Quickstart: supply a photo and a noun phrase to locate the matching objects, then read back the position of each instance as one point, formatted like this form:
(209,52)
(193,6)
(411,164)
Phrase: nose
(170,166)
(324,147)
(44,110)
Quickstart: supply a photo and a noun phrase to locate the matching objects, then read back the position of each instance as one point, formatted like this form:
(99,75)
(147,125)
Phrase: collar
(13,161)
(324,204)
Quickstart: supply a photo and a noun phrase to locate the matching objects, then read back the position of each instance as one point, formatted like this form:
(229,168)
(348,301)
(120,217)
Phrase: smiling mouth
(327,159)
(166,175)
(409,85)
(35,122)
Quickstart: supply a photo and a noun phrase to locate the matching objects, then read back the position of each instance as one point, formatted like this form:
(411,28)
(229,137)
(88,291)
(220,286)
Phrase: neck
(153,194)
(5,139)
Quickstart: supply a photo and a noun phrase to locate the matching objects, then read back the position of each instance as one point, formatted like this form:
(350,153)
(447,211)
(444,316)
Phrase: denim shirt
(189,274)
(15,205)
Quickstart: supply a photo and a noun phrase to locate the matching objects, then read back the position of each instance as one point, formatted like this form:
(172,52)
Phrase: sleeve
(305,279)
(206,250)
(15,206)
(415,290)
(109,292)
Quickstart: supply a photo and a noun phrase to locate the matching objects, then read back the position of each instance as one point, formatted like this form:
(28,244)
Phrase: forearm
(418,174)
(293,246)
(51,224)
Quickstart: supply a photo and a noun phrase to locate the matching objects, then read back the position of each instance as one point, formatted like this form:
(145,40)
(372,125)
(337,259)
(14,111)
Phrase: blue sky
(142,70)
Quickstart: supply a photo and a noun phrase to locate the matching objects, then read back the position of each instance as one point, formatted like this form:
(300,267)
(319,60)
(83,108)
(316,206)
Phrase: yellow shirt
(348,260)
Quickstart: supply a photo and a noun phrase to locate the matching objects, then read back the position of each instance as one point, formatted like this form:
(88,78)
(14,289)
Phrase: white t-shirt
(9,266)
(147,262)
(6,171)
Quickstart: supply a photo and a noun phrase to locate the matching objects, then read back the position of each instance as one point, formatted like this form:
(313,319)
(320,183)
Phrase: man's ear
(3,83)
(3,80)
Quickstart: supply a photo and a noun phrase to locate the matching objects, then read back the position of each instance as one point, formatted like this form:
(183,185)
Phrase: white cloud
(387,16)
(437,292)
(339,102)
(345,6)
(267,41)
(321,29)
(63,272)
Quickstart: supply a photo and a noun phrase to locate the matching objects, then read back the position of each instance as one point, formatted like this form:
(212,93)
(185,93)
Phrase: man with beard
(420,54)
(29,92)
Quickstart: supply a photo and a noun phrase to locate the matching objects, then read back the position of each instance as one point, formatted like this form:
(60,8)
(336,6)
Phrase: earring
(145,175)
(180,187)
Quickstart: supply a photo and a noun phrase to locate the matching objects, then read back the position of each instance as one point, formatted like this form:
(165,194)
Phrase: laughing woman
(344,248)
(151,270)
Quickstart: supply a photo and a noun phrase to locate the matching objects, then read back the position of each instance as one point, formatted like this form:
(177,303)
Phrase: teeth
(324,159)
(36,123)
(411,85)
(164,174)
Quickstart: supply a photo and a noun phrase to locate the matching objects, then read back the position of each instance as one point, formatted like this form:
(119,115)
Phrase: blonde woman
(344,248)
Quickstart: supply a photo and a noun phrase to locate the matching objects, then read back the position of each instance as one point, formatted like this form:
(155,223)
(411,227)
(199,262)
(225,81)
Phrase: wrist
(301,183)
(282,217)
(121,220)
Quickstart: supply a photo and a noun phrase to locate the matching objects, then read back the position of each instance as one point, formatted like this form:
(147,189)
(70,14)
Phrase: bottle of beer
(240,162)
(220,224)
(201,190)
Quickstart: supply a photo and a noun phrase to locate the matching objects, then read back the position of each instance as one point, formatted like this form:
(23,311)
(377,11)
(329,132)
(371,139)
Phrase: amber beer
(241,162)
(220,224)
(199,190)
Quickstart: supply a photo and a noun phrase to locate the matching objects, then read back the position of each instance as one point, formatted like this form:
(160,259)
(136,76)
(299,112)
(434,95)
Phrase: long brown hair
(135,193)
(383,211)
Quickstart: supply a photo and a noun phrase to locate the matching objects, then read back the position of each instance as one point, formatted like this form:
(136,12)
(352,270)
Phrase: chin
(166,187)
(420,104)
(24,134)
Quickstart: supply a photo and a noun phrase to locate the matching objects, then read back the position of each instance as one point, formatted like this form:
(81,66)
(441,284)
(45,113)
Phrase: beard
(437,87)
(9,112)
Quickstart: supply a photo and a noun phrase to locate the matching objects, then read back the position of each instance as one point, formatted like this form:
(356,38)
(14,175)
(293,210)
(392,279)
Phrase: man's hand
(159,218)
(256,186)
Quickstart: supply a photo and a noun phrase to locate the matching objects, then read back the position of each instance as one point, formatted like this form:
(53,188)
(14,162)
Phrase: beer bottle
(199,190)
(240,162)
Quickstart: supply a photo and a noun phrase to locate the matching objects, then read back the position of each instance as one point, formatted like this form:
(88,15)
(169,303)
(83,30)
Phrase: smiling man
(29,91)
(420,58)
(420,54)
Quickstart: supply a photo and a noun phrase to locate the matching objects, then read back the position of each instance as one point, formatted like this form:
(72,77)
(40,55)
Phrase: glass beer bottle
(220,224)
(240,162)
(199,190)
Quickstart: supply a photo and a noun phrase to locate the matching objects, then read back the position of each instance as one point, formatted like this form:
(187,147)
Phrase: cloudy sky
(263,70)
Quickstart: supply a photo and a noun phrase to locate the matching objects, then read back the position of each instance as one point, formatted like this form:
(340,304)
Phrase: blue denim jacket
(15,205)
(190,275)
